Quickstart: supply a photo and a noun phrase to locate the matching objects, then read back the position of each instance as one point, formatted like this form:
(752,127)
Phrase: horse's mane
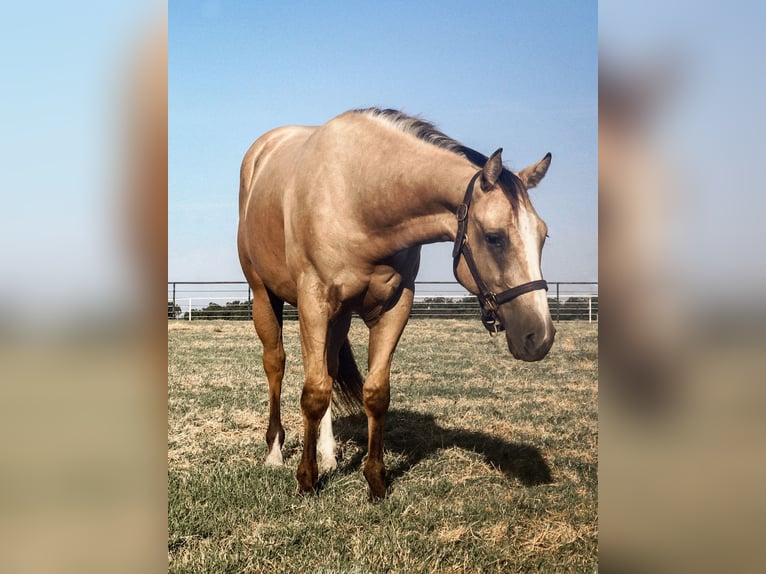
(427,132)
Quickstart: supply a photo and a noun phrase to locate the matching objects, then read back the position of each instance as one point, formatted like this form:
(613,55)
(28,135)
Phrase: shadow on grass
(415,436)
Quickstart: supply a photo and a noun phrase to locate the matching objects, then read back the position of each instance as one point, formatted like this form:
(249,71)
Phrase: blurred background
(681,410)
(83,173)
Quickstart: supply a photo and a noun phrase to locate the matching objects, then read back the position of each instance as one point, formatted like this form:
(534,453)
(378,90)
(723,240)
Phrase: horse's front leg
(317,388)
(384,336)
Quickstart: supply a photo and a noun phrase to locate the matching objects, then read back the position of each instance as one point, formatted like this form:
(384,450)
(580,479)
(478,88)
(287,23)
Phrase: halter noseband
(488,300)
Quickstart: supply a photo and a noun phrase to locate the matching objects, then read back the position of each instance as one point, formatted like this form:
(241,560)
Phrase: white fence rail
(230,300)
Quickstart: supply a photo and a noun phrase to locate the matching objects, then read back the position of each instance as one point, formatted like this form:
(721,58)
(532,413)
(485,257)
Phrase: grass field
(492,462)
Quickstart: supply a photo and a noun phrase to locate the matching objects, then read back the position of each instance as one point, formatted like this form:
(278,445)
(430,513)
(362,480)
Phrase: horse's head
(504,237)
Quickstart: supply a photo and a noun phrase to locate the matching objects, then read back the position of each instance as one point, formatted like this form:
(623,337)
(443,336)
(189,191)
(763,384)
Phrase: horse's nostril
(530,341)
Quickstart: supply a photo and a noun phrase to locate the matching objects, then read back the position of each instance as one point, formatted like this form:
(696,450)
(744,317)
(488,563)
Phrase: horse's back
(266,176)
(266,164)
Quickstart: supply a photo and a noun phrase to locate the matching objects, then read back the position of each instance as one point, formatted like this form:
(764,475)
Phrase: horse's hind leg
(326,447)
(267,317)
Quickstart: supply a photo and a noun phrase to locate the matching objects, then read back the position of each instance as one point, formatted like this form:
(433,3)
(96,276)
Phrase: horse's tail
(349,382)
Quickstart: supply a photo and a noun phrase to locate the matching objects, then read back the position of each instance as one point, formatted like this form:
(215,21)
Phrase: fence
(231,300)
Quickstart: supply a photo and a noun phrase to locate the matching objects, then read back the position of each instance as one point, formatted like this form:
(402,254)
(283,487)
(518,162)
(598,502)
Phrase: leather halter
(488,300)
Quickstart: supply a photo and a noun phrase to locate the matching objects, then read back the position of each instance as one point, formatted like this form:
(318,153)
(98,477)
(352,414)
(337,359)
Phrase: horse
(332,219)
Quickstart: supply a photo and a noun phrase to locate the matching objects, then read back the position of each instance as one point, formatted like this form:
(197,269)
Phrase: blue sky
(63,70)
(707,135)
(517,75)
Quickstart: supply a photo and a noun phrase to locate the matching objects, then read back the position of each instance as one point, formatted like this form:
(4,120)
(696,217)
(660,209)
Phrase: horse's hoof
(274,458)
(307,476)
(306,492)
(376,478)
(377,493)
(327,463)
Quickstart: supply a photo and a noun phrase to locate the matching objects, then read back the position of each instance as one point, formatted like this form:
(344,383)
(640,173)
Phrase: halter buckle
(490,302)
(491,323)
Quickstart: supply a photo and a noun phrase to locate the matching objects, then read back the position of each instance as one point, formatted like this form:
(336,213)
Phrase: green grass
(492,462)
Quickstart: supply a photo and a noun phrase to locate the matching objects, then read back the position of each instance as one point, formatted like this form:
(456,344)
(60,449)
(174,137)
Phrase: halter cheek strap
(488,300)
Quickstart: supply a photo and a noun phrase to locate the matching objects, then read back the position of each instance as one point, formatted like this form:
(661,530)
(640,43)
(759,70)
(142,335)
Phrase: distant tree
(231,311)
(434,300)
(446,307)
(174,311)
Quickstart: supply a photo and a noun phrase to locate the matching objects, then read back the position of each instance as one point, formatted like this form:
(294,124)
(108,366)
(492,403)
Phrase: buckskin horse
(331,220)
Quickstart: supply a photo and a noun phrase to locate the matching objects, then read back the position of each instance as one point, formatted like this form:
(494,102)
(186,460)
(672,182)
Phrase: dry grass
(492,462)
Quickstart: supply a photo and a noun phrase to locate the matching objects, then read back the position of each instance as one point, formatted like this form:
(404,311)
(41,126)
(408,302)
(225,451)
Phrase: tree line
(572,308)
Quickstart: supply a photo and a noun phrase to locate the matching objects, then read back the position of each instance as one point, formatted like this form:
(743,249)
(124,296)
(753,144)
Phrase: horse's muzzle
(531,344)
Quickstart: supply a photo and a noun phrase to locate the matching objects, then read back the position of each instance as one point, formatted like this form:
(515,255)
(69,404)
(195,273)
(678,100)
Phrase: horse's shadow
(415,436)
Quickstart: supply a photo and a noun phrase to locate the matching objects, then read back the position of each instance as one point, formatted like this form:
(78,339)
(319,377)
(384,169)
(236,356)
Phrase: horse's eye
(495,239)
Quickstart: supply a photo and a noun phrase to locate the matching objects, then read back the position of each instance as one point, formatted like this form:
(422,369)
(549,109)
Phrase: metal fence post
(590,309)
(189,308)
(558,303)
(174,300)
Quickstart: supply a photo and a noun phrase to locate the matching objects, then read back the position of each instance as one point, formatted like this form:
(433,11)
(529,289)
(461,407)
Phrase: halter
(488,300)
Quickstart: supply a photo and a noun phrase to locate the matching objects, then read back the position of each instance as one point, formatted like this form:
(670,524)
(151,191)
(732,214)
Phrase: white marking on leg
(326,443)
(274,458)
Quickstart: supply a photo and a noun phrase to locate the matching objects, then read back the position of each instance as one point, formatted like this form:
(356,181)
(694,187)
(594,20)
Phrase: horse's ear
(533,174)
(492,170)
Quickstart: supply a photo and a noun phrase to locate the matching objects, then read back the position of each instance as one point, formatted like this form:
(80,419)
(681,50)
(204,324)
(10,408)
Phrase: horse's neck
(421,201)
